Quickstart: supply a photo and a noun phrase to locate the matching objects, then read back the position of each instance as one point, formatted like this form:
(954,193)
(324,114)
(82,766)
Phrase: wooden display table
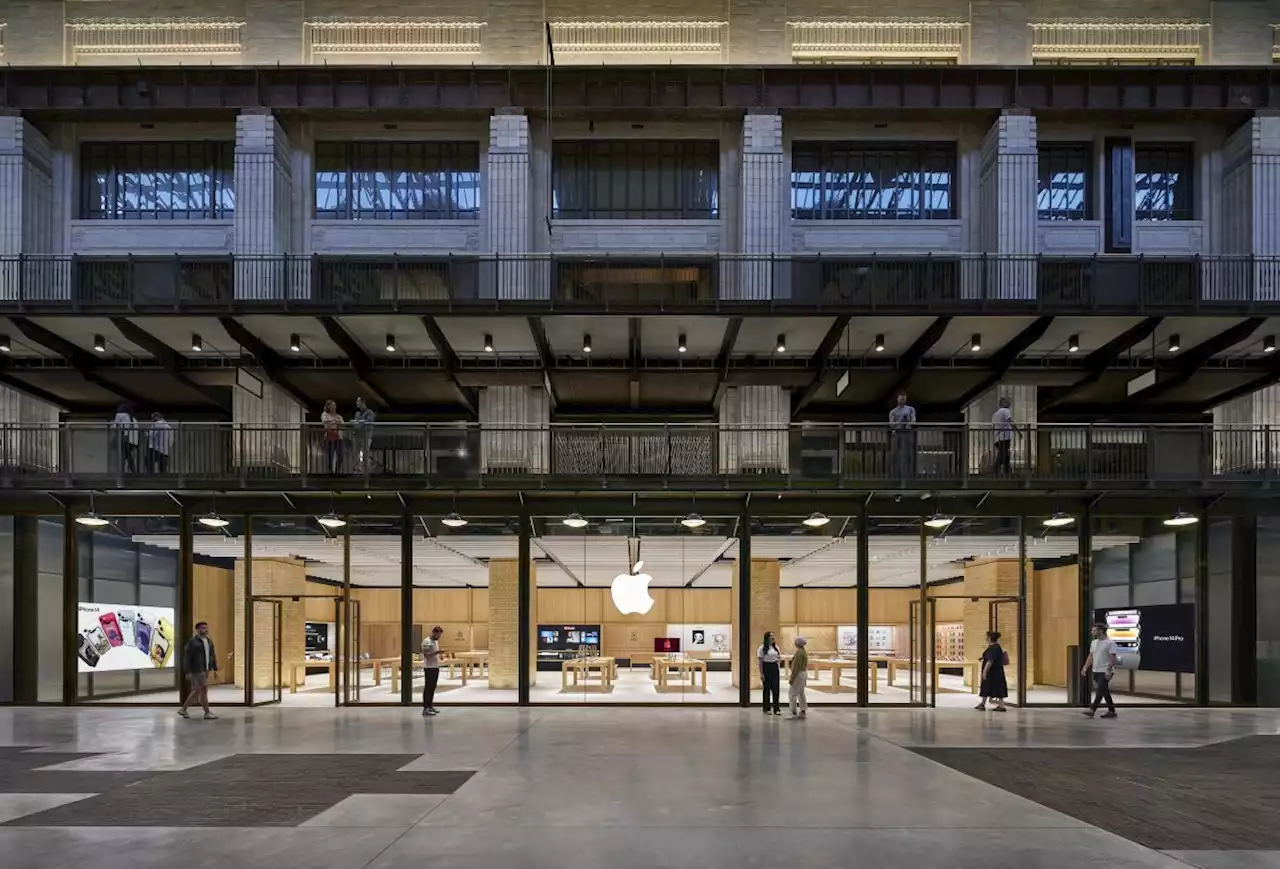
(296,679)
(664,664)
(394,667)
(466,662)
(973,669)
(582,668)
(837,666)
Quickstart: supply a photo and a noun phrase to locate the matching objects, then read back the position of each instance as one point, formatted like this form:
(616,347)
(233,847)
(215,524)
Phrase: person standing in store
(770,660)
(124,427)
(431,670)
(993,686)
(1002,422)
(363,423)
(159,444)
(902,437)
(332,422)
(799,680)
(1102,663)
(199,658)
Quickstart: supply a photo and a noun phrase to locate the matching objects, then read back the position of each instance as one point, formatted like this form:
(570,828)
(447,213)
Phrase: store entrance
(952,655)
(324,664)
(265,661)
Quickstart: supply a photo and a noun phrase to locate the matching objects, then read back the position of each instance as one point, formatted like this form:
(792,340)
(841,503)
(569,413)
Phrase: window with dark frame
(1065,189)
(397,180)
(635,179)
(1162,181)
(873,181)
(157,180)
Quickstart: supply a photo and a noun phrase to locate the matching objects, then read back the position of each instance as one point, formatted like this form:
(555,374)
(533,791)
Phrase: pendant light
(91,519)
(1181,519)
(575,520)
(453,520)
(1059,520)
(938,522)
(693,520)
(213,520)
(816,519)
(331,520)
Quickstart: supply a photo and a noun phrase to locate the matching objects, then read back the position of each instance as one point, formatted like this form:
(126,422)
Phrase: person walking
(1002,422)
(798,680)
(770,660)
(431,670)
(993,685)
(902,436)
(332,422)
(1102,663)
(125,429)
(199,658)
(159,444)
(363,422)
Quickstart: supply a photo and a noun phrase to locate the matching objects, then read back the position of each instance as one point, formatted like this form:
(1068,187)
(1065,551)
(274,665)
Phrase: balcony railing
(851,455)
(965,283)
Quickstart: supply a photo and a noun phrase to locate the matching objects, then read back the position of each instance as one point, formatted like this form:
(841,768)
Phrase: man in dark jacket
(200,659)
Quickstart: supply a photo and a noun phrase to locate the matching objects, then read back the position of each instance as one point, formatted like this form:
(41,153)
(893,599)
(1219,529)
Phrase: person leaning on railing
(332,422)
(902,420)
(124,430)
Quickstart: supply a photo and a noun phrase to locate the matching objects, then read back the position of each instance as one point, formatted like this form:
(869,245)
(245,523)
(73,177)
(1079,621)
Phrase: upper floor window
(873,181)
(1162,176)
(397,180)
(1065,190)
(654,179)
(157,180)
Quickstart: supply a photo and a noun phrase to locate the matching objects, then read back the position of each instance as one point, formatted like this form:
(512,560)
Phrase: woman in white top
(770,660)
(332,422)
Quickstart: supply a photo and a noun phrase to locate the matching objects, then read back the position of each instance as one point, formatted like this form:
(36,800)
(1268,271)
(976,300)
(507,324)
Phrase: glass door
(351,660)
(267,661)
(921,622)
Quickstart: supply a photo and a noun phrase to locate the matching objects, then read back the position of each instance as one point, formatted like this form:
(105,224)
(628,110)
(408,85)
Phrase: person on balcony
(1002,422)
(124,430)
(332,422)
(363,421)
(902,437)
(159,444)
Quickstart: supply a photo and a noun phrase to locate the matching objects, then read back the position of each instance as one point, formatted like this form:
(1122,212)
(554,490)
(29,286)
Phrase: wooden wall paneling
(440,605)
(563,605)
(631,639)
(380,639)
(480,635)
(786,605)
(826,606)
(1056,613)
(713,606)
(213,601)
(479,605)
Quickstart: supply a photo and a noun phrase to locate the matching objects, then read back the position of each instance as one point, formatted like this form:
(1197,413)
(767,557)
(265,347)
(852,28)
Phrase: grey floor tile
(1229,859)
(14,806)
(378,810)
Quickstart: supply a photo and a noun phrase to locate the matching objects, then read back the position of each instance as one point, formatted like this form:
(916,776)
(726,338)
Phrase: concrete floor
(662,787)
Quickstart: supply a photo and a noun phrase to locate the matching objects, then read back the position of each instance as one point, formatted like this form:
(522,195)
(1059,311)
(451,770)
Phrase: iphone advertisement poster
(120,637)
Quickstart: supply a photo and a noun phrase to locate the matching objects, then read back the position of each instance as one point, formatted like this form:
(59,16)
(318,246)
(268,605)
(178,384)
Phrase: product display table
(467,662)
(837,666)
(298,672)
(581,669)
(394,667)
(664,664)
(972,670)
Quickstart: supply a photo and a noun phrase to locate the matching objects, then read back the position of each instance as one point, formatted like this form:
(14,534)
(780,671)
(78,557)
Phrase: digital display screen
(317,636)
(124,637)
(666,645)
(1160,637)
(567,637)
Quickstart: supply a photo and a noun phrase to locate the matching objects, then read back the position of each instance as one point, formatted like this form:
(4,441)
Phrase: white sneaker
(209,716)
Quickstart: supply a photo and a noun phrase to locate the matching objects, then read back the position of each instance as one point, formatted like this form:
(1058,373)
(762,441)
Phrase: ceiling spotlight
(575,520)
(975,343)
(1181,518)
(683,345)
(1059,520)
(782,343)
(91,519)
(1175,343)
(5,346)
(295,343)
(331,520)
(586,343)
(1073,344)
(488,343)
(99,344)
(391,343)
(879,343)
(937,521)
(816,520)
(1268,344)
(693,520)
(197,343)
(453,520)
(213,520)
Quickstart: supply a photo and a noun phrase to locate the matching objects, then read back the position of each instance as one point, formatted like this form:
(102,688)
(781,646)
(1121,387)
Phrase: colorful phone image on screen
(111,628)
(144,635)
(86,651)
(99,640)
(127,627)
(160,649)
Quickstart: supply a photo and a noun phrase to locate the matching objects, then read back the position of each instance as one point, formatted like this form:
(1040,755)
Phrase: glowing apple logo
(631,591)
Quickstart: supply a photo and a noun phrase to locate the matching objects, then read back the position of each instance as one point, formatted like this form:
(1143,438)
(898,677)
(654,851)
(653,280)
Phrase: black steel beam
(172,361)
(1191,361)
(915,354)
(819,363)
(268,360)
(1103,358)
(546,357)
(634,343)
(1002,360)
(449,362)
(727,343)
(80,359)
(359,358)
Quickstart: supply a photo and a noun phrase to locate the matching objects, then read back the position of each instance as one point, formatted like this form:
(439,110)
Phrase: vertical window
(1065,190)
(647,179)
(839,181)
(397,180)
(1162,182)
(157,180)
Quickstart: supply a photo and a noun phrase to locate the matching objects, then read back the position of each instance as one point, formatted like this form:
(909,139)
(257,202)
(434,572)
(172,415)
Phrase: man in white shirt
(1002,422)
(431,670)
(1102,663)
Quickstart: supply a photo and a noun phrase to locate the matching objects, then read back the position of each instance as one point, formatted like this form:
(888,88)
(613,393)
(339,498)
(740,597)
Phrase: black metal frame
(353,159)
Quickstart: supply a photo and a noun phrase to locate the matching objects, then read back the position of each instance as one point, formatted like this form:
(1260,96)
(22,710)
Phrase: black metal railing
(942,283)
(850,454)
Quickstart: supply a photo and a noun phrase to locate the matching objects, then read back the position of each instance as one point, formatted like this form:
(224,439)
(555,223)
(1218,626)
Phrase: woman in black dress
(994,687)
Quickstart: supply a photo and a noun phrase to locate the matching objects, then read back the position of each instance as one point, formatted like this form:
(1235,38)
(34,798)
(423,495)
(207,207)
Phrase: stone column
(766,574)
(264,179)
(1241,443)
(1007,209)
(26,206)
(504,624)
(1250,216)
(764,216)
(507,200)
(998,577)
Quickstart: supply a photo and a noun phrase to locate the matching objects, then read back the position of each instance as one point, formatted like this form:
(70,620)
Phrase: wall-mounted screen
(1159,637)
(119,637)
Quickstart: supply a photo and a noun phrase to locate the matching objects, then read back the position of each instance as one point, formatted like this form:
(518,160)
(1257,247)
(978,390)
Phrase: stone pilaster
(765,217)
(1251,203)
(766,575)
(26,204)
(1007,210)
(504,623)
(507,200)
(264,180)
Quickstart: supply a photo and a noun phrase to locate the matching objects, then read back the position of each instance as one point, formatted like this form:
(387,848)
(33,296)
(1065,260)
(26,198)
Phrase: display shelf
(948,641)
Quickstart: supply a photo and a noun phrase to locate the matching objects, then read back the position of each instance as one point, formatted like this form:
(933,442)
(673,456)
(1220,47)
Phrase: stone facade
(766,574)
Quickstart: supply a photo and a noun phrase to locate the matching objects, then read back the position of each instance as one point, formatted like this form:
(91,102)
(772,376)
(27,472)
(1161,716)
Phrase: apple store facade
(624,598)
